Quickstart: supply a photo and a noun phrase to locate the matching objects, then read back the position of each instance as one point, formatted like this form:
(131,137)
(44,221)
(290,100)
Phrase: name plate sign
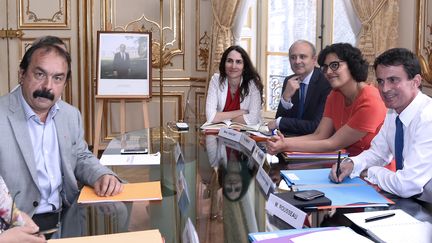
(264,180)
(247,142)
(230,134)
(285,211)
(259,156)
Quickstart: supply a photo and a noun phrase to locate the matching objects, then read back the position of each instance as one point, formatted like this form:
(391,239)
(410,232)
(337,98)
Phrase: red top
(232,104)
(366,113)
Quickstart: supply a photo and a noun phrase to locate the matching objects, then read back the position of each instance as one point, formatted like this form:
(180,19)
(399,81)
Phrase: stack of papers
(131,192)
(315,156)
(401,227)
(130,159)
(350,193)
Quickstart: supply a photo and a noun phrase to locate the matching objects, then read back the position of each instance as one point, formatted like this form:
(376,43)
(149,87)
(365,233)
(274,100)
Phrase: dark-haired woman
(235,93)
(354,111)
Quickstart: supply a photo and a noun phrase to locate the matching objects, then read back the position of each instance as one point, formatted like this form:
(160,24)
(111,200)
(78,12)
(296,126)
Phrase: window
(285,21)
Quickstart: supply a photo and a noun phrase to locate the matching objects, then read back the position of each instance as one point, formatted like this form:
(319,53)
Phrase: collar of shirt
(30,114)
(306,80)
(408,114)
(225,84)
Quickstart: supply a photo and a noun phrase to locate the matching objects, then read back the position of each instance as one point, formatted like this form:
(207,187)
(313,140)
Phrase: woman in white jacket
(236,92)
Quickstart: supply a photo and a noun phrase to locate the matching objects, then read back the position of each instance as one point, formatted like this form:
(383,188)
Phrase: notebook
(230,124)
(401,227)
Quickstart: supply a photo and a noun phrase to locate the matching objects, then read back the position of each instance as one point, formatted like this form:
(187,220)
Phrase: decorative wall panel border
(146,18)
(202,37)
(35,14)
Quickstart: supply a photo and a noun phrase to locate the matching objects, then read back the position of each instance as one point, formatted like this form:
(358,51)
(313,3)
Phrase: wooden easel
(100,102)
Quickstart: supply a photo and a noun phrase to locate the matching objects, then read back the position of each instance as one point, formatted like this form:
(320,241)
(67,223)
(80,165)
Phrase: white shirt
(417,151)
(47,156)
(216,99)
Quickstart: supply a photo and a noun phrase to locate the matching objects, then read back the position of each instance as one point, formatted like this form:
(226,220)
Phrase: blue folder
(351,192)
(314,177)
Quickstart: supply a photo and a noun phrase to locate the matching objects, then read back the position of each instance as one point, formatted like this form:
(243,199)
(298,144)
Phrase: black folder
(301,204)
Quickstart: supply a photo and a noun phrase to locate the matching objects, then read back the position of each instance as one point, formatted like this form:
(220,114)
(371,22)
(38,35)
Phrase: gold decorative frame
(33,18)
(424,38)
(173,40)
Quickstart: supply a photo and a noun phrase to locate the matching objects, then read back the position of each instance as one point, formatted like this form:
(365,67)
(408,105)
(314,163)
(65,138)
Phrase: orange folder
(151,236)
(131,192)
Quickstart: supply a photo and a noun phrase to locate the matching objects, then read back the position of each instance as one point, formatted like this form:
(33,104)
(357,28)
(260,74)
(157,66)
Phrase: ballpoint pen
(378,217)
(338,164)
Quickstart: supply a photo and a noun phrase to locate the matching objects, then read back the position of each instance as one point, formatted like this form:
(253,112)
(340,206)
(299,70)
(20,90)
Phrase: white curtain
(353,20)
(240,19)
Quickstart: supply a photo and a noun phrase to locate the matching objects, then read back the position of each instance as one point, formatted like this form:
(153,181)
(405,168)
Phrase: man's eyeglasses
(333,66)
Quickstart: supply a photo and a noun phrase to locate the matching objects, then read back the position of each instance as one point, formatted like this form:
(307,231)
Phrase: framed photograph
(124,64)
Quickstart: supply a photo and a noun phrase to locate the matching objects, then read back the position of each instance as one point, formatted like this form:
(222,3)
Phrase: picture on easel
(124,63)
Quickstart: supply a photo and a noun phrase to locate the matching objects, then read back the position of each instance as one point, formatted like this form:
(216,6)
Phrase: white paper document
(341,235)
(401,227)
(130,159)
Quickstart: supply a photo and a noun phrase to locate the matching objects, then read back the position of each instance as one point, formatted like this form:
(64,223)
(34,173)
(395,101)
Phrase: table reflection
(225,202)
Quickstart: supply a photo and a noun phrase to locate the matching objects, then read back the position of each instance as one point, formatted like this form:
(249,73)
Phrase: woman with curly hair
(354,111)
(235,93)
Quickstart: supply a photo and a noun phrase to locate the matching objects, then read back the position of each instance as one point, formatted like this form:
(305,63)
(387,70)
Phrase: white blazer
(216,99)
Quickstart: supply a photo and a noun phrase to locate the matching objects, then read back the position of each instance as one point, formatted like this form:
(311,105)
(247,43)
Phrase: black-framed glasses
(333,66)
(4,225)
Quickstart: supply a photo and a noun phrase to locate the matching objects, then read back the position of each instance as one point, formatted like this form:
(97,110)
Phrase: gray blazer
(17,164)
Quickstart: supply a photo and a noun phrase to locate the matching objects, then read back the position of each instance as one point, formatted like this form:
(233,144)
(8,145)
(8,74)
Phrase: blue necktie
(301,100)
(399,143)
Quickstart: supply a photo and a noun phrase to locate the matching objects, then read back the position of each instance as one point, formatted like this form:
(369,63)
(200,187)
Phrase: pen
(378,217)
(338,164)
(46,232)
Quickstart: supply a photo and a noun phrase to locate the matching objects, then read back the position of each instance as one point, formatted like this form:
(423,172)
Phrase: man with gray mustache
(405,134)
(43,154)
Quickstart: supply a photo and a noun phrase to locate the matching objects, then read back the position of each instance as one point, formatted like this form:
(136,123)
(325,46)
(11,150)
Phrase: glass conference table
(224,201)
